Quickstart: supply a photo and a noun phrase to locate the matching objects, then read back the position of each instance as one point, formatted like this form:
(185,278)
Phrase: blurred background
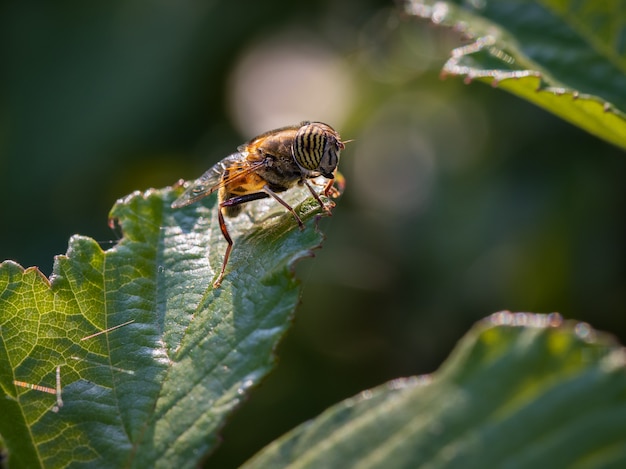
(460,201)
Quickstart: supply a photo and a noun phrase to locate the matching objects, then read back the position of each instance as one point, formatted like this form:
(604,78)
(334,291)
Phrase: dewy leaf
(568,57)
(519,391)
(150,359)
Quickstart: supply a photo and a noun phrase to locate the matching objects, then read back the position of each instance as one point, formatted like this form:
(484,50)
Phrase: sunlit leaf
(567,57)
(519,391)
(150,358)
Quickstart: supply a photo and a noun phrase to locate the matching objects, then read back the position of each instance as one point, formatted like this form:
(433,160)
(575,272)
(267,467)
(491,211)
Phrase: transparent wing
(213,178)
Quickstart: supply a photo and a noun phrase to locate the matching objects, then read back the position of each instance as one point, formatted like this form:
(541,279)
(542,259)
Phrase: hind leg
(233,202)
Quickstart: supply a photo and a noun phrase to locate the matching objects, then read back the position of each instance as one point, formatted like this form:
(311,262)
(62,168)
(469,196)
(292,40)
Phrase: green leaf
(174,356)
(568,57)
(519,390)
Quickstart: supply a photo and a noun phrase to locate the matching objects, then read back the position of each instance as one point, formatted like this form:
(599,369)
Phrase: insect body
(269,164)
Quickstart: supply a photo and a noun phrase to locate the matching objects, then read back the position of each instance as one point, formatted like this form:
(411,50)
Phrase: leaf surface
(519,391)
(568,57)
(151,358)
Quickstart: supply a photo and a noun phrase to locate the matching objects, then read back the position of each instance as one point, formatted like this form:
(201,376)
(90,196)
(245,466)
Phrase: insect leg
(284,204)
(317,197)
(330,190)
(242,199)
(220,216)
(229,240)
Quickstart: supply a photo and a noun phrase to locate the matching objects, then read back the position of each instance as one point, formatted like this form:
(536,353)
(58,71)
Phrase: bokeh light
(288,79)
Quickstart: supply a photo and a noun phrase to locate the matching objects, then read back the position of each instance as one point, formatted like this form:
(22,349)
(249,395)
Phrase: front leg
(335,187)
(325,207)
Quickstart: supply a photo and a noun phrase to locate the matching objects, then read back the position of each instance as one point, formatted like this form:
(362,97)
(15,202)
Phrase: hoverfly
(269,164)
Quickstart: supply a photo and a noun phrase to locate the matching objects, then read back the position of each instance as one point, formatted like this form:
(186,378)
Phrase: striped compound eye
(316,147)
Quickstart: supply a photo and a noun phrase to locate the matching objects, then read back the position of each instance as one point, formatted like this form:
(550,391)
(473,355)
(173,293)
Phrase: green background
(460,201)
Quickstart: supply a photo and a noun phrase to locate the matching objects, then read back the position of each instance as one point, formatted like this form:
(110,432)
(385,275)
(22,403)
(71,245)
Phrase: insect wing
(206,184)
(214,178)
